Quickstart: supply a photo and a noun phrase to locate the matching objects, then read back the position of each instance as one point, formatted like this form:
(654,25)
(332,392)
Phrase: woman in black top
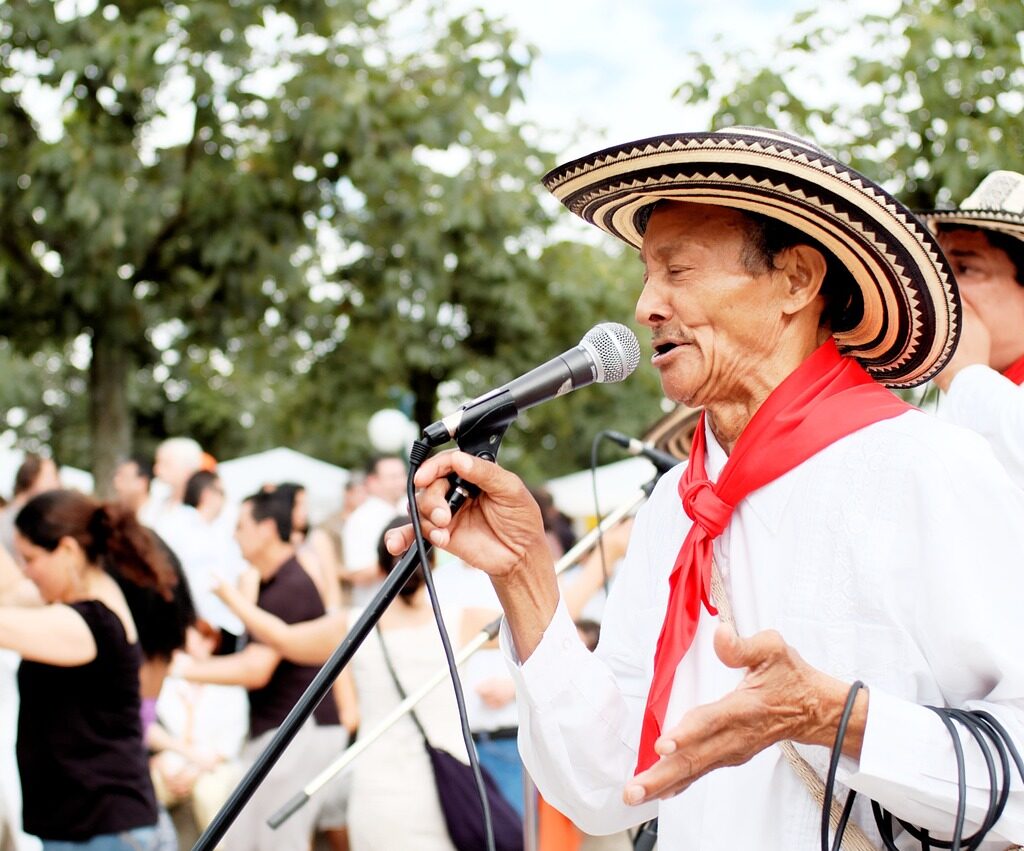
(85,781)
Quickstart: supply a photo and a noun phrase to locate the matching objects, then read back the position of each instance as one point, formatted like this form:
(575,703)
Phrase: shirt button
(566,643)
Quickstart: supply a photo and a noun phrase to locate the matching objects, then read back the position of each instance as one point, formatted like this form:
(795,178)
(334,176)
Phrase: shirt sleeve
(580,712)
(988,403)
(965,616)
(576,729)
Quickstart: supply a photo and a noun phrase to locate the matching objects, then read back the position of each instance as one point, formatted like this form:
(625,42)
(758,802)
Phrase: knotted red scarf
(1015,371)
(825,399)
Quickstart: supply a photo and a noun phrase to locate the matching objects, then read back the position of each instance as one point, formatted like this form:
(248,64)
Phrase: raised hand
(781,697)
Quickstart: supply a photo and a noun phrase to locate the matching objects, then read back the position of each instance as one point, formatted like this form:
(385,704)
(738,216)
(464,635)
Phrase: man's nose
(652,308)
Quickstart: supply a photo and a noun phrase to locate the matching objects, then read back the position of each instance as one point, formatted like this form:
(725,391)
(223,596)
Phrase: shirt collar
(768,509)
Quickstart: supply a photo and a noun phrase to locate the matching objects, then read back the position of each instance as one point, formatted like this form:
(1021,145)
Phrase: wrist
(826,712)
(528,595)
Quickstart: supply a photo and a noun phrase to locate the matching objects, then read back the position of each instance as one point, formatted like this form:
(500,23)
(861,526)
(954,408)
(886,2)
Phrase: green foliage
(273,219)
(936,99)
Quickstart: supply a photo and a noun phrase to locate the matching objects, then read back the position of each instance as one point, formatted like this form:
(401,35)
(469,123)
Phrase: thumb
(738,652)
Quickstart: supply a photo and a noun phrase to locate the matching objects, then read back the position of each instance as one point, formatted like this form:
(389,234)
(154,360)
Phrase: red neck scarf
(1015,371)
(825,399)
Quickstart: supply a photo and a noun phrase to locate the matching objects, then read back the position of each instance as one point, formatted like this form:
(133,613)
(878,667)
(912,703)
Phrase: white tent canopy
(324,483)
(617,484)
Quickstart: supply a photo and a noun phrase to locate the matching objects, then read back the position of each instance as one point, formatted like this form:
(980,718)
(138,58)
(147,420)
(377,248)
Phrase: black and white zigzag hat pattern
(911,317)
(997,204)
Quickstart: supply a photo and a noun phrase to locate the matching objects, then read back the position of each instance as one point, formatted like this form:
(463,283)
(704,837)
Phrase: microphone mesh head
(615,351)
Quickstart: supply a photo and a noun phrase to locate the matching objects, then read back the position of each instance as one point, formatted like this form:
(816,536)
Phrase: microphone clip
(481,436)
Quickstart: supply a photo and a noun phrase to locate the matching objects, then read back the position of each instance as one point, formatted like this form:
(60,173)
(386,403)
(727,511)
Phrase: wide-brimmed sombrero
(911,315)
(997,204)
(673,433)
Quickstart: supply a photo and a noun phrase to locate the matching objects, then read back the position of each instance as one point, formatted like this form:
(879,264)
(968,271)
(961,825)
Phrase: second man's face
(987,280)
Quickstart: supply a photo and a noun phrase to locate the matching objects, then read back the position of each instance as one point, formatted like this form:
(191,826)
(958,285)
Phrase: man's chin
(681,394)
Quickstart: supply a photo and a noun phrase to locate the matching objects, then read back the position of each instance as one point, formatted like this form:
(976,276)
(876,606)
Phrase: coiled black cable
(997,748)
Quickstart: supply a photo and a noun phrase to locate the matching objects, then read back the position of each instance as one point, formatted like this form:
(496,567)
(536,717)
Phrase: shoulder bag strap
(398,684)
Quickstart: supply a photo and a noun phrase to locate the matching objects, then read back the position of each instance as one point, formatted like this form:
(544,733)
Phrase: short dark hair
(765,239)
(271,505)
(1013,247)
(371,466)
(590,632)
(28,472)
(387,561)
(197,485)
(143,465)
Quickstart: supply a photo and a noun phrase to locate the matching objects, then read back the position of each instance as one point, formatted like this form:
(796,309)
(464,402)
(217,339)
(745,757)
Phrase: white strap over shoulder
(854,839)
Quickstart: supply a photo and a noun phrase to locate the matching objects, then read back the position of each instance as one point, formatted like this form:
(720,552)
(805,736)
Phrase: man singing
(856,538)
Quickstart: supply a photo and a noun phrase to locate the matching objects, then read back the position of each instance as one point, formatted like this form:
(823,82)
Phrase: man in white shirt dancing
(856,538)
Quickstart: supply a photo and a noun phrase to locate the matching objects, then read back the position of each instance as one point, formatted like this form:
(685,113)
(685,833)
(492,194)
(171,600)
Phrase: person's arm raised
(500,531)
(305,643)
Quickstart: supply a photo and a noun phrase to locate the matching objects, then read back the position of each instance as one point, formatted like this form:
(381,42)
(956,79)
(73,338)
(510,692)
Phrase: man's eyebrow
(963,252)
(663,250)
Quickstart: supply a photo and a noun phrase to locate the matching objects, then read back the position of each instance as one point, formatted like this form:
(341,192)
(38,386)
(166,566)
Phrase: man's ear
(803,269)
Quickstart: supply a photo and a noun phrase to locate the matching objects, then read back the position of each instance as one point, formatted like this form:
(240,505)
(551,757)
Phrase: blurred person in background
(197,736)
(313,546)
(203,549)
(36,474)
(274,684)
(557,526)
(131,482)
(352,497)
(394,774)
(489,689)
(385,496)
(204,492)
(83,768)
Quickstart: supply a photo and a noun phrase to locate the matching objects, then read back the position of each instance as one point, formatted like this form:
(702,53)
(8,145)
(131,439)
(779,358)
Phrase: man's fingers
(697,726)
(486,475)
(668,776)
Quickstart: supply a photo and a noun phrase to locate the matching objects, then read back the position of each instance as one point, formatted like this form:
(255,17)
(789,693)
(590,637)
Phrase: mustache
(661,337)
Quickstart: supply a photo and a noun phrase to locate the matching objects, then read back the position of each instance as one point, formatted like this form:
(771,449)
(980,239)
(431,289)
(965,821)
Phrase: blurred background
(259,223)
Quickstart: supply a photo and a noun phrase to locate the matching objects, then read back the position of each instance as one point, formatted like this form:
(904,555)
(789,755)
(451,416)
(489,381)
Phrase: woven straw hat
(673,433)
(997,204)
(911,315)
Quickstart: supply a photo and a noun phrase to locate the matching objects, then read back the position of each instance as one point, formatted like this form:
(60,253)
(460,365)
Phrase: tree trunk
(424,388)
(110,431)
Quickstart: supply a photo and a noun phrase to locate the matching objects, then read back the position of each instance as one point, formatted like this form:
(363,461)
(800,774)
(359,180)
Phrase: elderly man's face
(714,323)
(987,280)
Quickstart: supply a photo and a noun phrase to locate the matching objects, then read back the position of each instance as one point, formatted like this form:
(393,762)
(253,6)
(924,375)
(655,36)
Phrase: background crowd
(202,632)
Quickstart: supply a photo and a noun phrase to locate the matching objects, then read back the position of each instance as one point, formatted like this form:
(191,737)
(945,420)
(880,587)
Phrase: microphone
(662,460)
(608,352)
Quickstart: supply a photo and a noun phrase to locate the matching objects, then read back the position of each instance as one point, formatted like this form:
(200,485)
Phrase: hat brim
(673,433)
(1011,224)
(911,317)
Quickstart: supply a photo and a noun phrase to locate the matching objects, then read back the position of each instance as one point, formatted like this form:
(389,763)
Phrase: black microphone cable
(994,743)
(417,455)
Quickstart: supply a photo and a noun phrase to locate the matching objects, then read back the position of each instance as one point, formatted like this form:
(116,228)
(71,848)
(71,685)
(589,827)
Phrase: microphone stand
(488,633)
(482,439)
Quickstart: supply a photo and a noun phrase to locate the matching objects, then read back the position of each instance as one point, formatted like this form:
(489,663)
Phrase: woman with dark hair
(85,782)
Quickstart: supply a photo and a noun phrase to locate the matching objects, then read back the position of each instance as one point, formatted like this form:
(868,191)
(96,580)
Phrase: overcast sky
(606,70)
